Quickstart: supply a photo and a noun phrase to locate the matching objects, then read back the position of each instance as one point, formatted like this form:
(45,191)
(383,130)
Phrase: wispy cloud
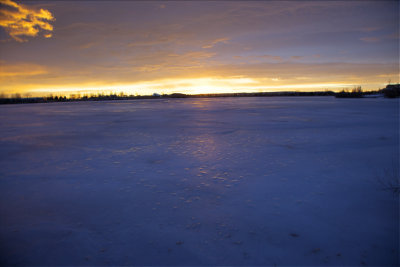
(370,39)
(296,57)
(394,36)
(9,71)
(271,57)
(370,29)
(257,58)
(19,20)
(213,43)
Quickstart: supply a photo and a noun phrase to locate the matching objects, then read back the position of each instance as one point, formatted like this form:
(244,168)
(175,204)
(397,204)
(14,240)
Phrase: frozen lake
(230,181)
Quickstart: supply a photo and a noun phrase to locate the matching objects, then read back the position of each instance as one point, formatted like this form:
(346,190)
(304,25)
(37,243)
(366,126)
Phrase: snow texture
(218,181)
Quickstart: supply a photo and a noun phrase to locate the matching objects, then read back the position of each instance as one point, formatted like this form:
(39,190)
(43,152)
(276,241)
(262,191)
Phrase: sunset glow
(151,47)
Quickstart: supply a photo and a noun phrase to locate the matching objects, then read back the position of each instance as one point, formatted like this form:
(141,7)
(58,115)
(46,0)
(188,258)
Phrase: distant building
(392,90)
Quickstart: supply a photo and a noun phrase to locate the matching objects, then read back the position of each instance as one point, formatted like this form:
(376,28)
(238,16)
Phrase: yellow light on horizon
(208,85)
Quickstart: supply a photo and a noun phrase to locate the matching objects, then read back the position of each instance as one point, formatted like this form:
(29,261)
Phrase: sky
(146,47)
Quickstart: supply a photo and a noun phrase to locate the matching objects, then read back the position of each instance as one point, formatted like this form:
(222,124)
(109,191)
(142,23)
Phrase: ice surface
(221,181)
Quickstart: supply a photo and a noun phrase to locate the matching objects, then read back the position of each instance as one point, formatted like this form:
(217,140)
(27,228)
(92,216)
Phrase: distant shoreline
(51,99)
(391,91)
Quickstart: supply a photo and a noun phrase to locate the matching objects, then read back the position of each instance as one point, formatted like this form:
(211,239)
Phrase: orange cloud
(8,71)
(19,20)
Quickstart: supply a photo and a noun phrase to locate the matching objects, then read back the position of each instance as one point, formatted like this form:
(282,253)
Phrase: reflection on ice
(233,181)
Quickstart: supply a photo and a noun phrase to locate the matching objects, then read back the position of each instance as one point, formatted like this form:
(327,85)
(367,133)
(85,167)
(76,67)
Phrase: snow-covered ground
(229,181)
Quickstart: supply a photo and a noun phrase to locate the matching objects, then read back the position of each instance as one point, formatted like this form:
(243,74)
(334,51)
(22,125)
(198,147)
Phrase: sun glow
(187,86)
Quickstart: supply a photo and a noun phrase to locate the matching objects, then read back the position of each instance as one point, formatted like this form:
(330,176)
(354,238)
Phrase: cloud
(86,45)
(370,39)
(394,36)
(213,43)
(10,71)
(296,57)
(148,68)
(276,58)
(164,77)
(257,58)
(19,20)
(370,29)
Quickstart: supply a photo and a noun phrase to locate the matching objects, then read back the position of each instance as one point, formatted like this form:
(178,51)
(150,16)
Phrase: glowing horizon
(204,86)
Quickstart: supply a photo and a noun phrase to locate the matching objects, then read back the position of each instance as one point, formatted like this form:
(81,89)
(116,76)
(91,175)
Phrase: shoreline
(51,99)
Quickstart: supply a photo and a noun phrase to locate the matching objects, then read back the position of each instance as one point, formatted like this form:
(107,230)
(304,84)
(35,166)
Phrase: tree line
(390,91)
